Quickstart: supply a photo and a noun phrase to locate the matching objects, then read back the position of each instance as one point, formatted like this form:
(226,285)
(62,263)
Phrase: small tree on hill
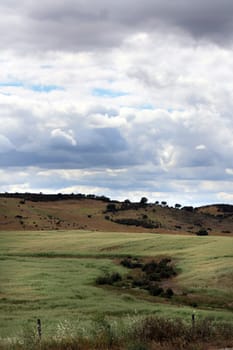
(143,200)
(111,207)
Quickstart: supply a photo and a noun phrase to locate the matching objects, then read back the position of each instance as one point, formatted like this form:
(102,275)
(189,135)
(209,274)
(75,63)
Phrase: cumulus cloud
(61,138)
(119,98)
(5,144)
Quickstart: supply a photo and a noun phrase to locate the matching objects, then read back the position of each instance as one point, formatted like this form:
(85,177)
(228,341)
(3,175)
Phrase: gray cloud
(78,25)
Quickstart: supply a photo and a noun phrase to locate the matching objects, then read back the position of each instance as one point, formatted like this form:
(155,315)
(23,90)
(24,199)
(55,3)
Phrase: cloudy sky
(119,98)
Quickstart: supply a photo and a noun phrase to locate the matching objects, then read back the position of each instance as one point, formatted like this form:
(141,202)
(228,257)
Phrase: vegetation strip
(146,275)
(150,333)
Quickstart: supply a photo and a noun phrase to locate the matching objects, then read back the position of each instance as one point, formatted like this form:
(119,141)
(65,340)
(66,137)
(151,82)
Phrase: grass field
(51,275)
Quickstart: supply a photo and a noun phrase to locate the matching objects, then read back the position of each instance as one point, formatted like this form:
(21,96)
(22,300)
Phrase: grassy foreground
(51,275)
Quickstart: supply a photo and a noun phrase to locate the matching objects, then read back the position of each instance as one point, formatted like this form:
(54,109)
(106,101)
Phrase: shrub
(151,272)
(202,232)
(111,207)
(188,208)
(140,282)
(159,329)
(155,276)
(150,267)
(136,222)
(109,279)
(155,290)
(131,264)
(169,293)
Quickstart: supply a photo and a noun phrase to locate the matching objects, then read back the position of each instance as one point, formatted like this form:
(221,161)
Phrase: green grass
(51,274)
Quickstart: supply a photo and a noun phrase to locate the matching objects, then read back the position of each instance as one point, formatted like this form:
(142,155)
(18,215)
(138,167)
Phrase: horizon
(93,197)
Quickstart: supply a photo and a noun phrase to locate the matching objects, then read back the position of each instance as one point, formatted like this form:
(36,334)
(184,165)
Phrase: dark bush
(131,264)
(168,293)
(140,282)
(150,267)
(136,222)
(155,276)
(164,261)
(155,290)
(109,279)
(202,232)
(146,278)
(188,208)
(111,207)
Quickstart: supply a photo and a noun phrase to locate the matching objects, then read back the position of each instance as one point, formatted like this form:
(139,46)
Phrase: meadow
(51,275)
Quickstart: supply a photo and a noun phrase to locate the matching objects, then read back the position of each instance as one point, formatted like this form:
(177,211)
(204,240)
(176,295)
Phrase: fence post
(39,328)
(193,320)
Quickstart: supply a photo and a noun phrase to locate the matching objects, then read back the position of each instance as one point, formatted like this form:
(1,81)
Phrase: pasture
(51,275)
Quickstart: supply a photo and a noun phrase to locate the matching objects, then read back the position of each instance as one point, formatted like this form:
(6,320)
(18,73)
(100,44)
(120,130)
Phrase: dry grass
(89,214)
(149,334)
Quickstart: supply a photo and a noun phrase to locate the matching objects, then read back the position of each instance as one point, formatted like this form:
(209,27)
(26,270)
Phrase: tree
(111,207)
(127,201)
(177,206)
(143,200)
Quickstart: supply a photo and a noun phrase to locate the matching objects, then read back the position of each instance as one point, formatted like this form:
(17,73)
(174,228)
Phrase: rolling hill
(62,212)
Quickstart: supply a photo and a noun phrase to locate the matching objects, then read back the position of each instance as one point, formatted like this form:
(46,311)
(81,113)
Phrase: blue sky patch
(147,106)
(11,84)
(100,92)
(33,87)
(44,88)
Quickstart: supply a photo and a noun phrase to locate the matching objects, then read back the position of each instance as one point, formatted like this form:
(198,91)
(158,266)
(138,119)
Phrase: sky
(118,98)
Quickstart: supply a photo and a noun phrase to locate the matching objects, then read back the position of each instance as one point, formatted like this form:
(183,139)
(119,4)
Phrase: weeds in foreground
(146,334)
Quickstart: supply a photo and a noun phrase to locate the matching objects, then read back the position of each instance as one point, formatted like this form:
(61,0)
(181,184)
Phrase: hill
(60,212)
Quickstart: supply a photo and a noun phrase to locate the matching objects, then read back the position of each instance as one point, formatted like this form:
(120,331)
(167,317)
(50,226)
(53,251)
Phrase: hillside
(61,212)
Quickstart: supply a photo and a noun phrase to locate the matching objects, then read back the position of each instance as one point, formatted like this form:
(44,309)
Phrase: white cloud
(5,144)
(200,147)
(229,171)
(61,137)
(163,122)
(226,197)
